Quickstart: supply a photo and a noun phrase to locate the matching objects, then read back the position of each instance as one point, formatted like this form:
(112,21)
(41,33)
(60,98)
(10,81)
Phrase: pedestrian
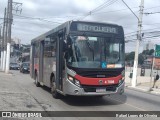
(155,79)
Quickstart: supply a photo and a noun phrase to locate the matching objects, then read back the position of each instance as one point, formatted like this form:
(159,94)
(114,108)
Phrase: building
(15,44)
(149,61)
(25,53)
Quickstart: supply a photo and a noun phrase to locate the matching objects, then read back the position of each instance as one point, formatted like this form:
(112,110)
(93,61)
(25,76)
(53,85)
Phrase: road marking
(127,104)
(9,92)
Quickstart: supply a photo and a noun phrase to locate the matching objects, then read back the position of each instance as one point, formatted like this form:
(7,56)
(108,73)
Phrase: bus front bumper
(72,89)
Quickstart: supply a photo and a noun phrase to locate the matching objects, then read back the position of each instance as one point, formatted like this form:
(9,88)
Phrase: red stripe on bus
(36,66)
(98,81)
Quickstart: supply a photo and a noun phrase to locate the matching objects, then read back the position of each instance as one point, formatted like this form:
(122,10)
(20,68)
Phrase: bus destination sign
(96,28)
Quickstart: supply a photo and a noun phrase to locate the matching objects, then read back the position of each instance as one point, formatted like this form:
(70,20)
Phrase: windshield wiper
(89,46)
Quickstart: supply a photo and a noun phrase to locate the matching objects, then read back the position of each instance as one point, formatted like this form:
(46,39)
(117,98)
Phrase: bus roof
(60,27)
(56,29)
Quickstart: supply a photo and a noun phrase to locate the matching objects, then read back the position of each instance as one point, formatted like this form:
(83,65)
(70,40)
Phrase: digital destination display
(96,28)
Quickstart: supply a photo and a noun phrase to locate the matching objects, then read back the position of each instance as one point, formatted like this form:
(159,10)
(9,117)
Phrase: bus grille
(99,74)
(92,88)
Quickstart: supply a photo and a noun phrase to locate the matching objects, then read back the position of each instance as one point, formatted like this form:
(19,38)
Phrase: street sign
(157,51)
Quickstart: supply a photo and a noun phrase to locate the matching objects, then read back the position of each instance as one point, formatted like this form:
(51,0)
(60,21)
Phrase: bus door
(59,62)
(41,61)
(32,51)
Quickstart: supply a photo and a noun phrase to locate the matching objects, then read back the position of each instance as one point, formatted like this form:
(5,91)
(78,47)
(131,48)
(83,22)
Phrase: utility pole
(1,46)
(4,39)
(9,35)
(139,38)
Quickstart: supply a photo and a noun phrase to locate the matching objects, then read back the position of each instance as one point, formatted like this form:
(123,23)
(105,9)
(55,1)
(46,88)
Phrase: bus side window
(47,47)
(36,55)
(50,47)
(68,51)
(53,46)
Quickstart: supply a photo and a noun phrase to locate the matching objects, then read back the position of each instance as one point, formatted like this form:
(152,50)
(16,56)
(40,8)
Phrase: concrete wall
(147,71)
(140,79)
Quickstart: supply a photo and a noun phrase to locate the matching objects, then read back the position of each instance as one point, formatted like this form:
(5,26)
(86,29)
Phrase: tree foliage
(142,56)
(151,52)
(130,56)
(140,59)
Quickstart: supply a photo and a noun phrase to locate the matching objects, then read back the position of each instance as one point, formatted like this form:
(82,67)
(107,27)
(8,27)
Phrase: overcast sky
(50,13)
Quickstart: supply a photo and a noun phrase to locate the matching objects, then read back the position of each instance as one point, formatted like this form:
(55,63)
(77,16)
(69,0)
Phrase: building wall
(156,62)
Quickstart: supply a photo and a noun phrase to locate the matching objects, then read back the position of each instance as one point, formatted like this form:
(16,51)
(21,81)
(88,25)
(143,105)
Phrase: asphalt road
(131,100)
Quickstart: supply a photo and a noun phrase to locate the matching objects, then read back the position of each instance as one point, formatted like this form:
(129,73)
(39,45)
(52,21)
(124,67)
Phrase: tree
(145,52)
(140,59)
(130,56)
(151,52)
(148,52)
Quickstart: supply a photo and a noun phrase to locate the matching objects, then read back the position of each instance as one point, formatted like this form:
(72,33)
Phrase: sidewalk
(143,84)
(14,97)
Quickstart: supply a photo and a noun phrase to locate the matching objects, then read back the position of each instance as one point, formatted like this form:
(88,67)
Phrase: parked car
(14,66)
(25,67)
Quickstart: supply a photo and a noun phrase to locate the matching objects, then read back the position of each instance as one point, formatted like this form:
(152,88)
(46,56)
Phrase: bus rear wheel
(54,92)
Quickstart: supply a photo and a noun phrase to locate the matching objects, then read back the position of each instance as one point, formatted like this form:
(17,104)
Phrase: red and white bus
(80,58)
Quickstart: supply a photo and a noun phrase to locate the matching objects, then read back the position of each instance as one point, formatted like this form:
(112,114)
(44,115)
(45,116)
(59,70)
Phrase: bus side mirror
(60,33)
(64,47)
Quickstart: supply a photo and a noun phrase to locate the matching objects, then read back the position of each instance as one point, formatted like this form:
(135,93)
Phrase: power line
(32,18)
(151,13)
(83,15)
(92,12)
(146,35)
(128,25)
(152,32)
(142,30)
(131,10)
(151,7)
(151,24)
(145,38)
(125,9)
(112,11)
(105,4)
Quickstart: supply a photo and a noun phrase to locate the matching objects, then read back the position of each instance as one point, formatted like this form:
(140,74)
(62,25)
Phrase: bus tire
(36,81)
(54,92)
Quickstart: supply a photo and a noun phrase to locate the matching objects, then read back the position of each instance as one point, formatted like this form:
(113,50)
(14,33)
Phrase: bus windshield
(94,52)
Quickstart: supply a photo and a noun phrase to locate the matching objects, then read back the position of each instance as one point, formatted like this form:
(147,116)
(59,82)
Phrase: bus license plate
(100,90)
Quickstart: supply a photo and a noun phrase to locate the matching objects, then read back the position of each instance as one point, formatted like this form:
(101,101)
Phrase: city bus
(80,58)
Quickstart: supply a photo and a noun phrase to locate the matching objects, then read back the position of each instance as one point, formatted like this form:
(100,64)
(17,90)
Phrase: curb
(143,90)
(139,89)
(155,92)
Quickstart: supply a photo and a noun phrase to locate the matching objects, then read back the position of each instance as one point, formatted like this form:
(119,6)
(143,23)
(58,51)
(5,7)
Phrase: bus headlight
(70,78)
(74,81)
